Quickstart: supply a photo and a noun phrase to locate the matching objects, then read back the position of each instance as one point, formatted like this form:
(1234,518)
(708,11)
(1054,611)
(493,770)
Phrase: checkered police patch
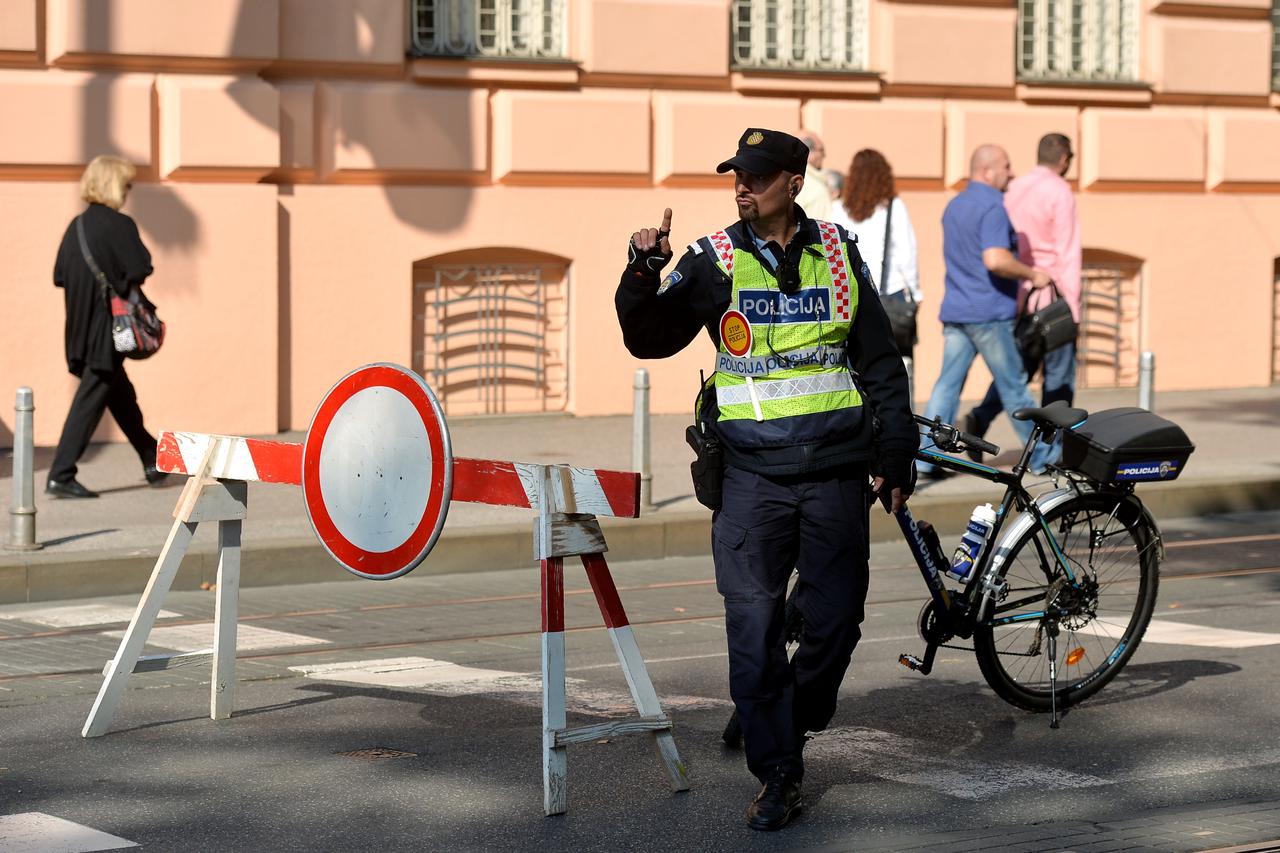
(670,282)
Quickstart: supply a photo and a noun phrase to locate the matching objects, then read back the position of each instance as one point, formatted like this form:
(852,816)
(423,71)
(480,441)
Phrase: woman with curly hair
(871,209)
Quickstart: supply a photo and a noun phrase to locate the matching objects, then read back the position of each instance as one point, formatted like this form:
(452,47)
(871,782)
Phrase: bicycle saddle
(1056,414)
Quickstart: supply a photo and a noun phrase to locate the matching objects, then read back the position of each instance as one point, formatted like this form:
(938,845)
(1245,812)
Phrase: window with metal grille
(1275,324)
(1275,44)
(1078,40)
(531,29)
(1110,307)
(800,35)
(490,331)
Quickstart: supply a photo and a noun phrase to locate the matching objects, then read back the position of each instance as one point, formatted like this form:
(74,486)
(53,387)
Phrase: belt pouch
(707,468)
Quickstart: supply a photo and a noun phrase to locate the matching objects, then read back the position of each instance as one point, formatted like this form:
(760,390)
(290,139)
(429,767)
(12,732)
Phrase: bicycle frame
(960,615)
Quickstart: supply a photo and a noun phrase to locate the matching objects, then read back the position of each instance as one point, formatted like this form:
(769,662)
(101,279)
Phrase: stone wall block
(694,132)
(224,127)
(591,132)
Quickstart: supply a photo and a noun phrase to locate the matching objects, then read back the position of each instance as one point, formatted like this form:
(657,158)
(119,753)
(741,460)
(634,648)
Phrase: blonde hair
(106,180)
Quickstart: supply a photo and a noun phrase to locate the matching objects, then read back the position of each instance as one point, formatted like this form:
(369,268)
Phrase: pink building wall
(295,164)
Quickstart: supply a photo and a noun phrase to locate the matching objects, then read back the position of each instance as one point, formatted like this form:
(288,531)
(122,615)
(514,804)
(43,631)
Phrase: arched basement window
(1110,310)
(490,330)
(1275,323)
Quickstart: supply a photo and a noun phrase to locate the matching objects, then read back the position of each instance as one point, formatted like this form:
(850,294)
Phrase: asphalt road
(328,672)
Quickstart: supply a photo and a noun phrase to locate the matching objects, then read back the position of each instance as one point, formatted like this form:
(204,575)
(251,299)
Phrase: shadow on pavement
(1140,680)
(62,540)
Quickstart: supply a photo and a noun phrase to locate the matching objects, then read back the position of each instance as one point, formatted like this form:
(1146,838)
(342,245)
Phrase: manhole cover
(376,753)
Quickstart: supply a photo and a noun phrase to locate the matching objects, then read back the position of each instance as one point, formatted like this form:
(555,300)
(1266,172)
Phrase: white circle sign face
(375,469)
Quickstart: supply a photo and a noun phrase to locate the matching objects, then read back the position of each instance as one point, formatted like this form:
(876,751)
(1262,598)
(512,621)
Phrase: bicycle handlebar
(949,438)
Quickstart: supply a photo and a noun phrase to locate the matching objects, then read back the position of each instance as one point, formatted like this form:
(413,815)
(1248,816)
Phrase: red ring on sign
(728,332)
(405,557)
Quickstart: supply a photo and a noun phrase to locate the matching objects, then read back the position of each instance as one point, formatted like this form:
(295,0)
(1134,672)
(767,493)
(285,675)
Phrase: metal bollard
(910,365)
(640,438)
(22,512)
(1147,381)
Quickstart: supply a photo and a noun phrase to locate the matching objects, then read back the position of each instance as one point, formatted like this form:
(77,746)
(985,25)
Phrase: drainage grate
(376,753)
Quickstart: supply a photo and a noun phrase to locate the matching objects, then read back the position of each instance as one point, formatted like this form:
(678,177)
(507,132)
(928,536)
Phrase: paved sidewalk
(108,546)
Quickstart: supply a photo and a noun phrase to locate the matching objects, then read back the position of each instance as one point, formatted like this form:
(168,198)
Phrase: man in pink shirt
(1042,209)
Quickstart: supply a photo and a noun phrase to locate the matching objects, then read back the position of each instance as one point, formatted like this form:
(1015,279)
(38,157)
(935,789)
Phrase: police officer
(794,315)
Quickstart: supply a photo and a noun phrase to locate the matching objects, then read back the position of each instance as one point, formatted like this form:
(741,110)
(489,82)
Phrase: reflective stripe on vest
(782,389)
(797,362)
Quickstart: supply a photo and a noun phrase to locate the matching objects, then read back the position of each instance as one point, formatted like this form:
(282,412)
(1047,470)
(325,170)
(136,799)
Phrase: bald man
(980,301)
(815,196)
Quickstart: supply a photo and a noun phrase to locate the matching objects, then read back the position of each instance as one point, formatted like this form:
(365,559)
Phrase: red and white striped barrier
(614,494)
(377,476)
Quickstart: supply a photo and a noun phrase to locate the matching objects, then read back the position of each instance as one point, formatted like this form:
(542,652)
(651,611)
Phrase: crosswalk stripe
(200,636)
(1188,634)
(36,832)
(444,678)
(75,615)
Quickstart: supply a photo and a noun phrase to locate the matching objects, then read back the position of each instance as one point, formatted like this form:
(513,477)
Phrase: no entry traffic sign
(377,471)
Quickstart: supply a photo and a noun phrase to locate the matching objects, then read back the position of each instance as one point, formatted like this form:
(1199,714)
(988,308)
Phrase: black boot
(778,801)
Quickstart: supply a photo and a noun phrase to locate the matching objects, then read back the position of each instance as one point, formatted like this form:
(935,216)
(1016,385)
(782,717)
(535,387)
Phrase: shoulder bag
(1042,331)
(135,329)
(900,307)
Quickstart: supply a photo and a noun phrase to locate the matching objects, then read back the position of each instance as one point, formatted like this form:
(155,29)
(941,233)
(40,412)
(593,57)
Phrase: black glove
(648,262)
(898,471)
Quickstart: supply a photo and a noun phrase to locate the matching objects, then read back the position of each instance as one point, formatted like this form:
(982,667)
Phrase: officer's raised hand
(650,249)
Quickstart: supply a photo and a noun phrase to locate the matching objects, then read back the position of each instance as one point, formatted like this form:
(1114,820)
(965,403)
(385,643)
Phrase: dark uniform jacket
(118,251)
(660,325)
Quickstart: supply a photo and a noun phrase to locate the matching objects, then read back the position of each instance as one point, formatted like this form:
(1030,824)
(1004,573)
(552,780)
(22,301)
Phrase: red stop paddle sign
(377,471)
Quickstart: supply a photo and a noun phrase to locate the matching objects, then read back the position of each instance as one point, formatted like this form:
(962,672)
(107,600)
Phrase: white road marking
(443,678)
(76,615)
(1187,634)
(35,832)
(913,762)
(189,638)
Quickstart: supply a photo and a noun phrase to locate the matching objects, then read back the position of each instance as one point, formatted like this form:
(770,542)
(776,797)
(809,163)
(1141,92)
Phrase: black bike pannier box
(1128,445)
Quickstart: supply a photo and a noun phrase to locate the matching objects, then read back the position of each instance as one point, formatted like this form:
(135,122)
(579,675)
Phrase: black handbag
(899,307)
(1045,330)
(136,330)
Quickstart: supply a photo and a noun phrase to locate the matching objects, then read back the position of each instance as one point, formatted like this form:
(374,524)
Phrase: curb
(687,533)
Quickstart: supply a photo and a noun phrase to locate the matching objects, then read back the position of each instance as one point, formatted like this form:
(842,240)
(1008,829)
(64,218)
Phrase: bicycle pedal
(910,662)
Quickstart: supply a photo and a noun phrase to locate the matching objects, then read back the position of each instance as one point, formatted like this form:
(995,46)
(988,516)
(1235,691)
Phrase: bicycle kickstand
(1051,628)
(915,663)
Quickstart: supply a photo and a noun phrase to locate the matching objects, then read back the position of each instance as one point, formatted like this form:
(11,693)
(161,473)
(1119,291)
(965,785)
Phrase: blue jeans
(961,342)
(1059,384)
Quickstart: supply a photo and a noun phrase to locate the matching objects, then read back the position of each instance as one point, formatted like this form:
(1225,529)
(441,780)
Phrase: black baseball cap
(763,152)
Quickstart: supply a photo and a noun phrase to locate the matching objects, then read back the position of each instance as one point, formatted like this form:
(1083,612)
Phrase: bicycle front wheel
(1113,556)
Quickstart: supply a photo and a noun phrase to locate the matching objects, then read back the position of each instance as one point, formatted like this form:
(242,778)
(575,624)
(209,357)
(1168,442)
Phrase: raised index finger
(666,220)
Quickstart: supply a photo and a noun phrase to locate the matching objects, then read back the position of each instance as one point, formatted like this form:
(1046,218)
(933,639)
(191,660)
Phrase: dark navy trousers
(766,526)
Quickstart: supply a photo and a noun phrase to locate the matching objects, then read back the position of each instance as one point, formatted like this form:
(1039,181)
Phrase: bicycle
(1058,602)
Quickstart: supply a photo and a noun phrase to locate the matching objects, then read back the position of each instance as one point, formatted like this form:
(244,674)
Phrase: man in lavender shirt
(1043,211)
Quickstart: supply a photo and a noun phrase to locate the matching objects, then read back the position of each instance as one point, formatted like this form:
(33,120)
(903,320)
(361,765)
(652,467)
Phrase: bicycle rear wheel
(1113,555)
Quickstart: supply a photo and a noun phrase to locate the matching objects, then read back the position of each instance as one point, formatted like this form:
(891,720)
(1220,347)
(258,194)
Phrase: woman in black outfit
(118,251)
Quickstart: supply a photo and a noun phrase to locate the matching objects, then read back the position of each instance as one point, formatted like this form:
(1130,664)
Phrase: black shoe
(778,801)
(70,489)
(155,477)
(970,425)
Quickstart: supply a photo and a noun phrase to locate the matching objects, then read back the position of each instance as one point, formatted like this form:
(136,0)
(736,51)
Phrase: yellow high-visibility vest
(783,355)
